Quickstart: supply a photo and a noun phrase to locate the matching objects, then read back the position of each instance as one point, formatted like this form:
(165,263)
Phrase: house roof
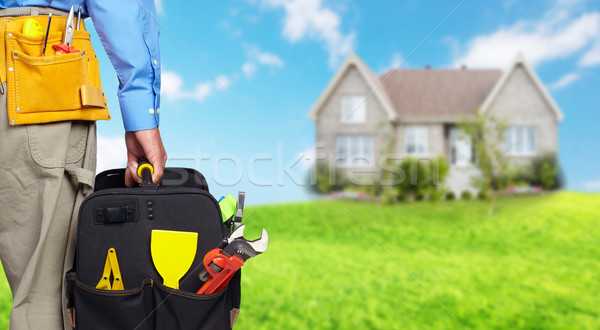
(517,62)
(433,93)
(370,78)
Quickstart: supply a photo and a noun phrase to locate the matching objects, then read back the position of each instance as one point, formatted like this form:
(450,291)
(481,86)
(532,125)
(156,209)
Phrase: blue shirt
(129,33)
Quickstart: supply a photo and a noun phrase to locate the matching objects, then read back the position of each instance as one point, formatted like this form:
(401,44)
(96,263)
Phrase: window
(520,140)
(416,140)
(354,150)
(353,108)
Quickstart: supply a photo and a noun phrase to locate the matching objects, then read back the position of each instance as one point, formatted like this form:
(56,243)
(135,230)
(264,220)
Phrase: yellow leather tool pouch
(54,87)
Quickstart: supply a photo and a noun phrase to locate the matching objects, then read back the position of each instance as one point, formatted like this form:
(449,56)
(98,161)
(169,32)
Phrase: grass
(336,264)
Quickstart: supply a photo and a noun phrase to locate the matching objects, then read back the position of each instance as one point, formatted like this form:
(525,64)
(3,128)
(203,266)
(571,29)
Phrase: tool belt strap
(31,11)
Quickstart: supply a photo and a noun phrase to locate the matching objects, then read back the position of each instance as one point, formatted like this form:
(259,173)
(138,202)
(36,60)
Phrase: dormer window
(354,109)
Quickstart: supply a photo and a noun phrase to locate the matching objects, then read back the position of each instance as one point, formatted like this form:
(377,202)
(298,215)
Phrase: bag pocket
(175,309)
(54,87)
(152,306)
(105,309)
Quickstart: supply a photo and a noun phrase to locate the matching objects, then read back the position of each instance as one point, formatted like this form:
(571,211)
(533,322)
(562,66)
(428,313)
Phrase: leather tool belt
(48,87)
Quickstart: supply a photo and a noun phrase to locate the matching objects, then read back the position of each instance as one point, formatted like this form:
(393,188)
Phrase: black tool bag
(120,218)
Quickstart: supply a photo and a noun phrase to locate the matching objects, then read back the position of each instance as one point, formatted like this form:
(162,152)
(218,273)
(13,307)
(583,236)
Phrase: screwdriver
(46,37)
(78,17)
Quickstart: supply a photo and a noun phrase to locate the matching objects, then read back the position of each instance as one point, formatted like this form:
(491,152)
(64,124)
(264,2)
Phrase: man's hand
(148,144)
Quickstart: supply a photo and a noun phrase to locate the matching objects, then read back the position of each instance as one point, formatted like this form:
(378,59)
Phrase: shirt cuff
(139,112)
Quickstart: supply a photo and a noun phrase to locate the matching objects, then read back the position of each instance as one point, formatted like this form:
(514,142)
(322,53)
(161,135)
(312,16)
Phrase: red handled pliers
(66,46)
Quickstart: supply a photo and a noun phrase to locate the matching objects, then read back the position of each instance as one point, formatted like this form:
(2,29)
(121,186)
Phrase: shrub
(482,195)
(420,196)
(450,196)
(543,171)
(401,198)
(416,177)
(466,195)
(437,194)
(439,171)
(328,179)
(548,175)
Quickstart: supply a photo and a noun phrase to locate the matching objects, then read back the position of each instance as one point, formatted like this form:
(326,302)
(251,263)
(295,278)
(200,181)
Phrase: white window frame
(520,140)
(354,109)
(353,151)
(417,136)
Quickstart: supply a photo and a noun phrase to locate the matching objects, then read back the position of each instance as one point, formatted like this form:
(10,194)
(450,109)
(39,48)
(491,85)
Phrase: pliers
(221,263)
(66,46)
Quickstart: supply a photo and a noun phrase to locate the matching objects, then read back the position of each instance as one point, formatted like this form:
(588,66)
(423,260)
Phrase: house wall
(329,121)
(520,102)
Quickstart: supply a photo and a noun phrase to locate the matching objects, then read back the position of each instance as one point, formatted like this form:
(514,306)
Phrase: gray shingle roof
(444,92)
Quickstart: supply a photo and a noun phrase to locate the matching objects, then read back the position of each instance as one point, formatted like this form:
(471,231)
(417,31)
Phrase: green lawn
(534,264)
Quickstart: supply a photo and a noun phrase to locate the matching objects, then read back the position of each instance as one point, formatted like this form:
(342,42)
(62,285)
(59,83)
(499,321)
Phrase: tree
(487,137)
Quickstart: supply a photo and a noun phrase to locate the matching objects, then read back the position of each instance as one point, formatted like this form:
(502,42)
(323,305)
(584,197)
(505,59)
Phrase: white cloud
(200,92)
(396,60)
(171,84)
(557,35)
(254,53)
(249,68)
(592,185)
(592,56)
(269,59)
(159,7)
(310,19)
(172,87)
(223,81)
(112,153)
(565,81)
(257,57)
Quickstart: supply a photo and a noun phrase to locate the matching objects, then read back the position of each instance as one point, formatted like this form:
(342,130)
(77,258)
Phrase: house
(361,117)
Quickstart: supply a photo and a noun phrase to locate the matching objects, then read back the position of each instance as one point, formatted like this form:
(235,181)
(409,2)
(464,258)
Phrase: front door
(461,151)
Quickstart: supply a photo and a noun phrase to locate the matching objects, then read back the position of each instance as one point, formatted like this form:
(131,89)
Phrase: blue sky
(275,57)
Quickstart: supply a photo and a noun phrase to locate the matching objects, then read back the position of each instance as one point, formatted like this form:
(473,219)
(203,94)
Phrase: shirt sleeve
(129,33)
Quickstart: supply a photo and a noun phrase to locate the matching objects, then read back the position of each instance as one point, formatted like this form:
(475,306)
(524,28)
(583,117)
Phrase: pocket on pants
(58,144)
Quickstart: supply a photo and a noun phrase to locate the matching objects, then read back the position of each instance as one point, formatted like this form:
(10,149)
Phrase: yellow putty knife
(173,253)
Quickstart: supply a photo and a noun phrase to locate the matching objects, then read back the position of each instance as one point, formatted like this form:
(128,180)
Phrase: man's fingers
(159,168)
(131,177)
(129,181)
(148,144)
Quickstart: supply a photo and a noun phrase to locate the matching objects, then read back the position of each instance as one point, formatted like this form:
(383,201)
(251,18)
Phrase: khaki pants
(45,172)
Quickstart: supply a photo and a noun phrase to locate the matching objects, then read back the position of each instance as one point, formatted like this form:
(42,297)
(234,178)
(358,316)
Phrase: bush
(439,171)
(437,194)
(548,175)
(543,171)
(416,177)
(326,181)
(420,196)
(450,196)
(547,172)
(466,195)
(482,195)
